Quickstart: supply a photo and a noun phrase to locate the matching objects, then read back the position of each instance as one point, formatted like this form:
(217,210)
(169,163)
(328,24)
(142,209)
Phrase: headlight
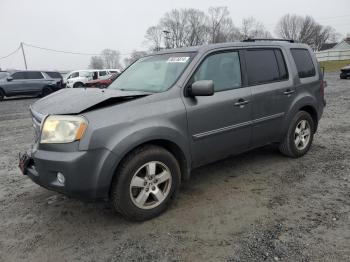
(63,129)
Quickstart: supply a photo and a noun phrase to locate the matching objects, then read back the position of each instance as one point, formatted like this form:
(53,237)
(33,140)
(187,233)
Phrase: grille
(37,119)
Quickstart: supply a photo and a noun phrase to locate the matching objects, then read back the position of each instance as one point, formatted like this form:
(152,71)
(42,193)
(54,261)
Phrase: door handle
(241,102)
(288,91)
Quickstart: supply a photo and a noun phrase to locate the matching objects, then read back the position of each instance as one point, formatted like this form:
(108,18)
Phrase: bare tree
(251,28)
(305,30)
(174,22)
(96,62)
(154,35)
(196,27)
(135,55)
(111,58)
(220,25)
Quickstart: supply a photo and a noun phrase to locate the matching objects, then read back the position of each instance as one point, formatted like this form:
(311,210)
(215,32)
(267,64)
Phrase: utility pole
(24,56)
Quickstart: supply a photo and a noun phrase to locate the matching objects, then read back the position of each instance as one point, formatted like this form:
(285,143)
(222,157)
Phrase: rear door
(219,125)
(35,81)
(272,92)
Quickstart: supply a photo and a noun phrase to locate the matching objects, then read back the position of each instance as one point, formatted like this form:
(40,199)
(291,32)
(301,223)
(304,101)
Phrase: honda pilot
(170,112)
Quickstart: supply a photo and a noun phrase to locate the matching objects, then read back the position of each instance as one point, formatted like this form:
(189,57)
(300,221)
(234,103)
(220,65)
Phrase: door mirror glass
(202,88)
(10,78)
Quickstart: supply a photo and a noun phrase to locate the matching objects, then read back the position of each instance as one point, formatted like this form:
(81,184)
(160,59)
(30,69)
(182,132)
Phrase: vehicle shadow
(16,98)
(202,178)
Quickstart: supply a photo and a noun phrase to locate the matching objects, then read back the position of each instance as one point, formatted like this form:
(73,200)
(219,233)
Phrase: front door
(219,125)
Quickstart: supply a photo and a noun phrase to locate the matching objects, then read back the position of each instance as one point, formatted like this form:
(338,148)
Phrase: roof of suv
(204,48)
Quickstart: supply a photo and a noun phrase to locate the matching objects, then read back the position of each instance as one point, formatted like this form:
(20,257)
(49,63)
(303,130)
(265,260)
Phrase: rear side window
(303,62)
(223,68)
(54,74)
(34,75)
(262,66)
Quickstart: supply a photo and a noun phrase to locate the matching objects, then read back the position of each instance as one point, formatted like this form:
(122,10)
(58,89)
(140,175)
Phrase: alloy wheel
(150,185)
(302,134)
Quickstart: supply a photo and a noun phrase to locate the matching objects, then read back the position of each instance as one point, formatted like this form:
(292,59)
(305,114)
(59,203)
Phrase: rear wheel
(2,95)
(146,183)
(77,85)
(46,91)
(299,137)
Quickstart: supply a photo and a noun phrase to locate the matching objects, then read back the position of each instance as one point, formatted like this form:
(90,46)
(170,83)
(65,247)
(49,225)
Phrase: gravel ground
(259,206)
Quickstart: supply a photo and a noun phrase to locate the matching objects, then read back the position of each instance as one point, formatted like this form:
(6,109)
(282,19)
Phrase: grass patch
(334,66)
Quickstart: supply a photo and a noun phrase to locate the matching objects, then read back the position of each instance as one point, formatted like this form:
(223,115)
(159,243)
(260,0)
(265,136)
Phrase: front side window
(74,75)
(153,73)
(85,74)
(303,62)
(18,75)
(223,68)
(103,73)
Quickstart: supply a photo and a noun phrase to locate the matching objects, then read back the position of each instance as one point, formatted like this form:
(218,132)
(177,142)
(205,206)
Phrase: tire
(45,92)
(2,95)
(298,140)
(128,192)
(78,84)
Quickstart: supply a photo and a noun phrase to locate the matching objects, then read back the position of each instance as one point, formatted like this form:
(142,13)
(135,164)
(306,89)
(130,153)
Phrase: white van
(78,78)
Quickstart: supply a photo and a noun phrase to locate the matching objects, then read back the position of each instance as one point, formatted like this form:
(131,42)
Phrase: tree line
(189,27)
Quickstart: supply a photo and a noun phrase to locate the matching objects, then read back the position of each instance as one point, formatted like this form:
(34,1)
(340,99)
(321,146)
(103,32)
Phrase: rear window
(262,66)
(54,74)
(303,62)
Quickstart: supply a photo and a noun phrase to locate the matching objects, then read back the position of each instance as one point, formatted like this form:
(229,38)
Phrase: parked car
(79,78)
(27,83)
(56,76)
(345,72)
(170,112)
(101,83)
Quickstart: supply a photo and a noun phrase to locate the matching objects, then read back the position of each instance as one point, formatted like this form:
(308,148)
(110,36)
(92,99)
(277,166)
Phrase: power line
(59,51)
(66,52)
(3,57)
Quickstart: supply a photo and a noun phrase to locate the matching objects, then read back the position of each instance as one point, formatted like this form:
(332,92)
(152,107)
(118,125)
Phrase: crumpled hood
(78,100)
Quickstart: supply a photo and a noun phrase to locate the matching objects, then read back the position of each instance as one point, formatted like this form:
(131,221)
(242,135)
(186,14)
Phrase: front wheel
(146,182)
(299,137)
(1,95)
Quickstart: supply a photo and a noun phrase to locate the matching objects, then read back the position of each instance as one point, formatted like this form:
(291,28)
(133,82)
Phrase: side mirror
(10,78)
(201,88)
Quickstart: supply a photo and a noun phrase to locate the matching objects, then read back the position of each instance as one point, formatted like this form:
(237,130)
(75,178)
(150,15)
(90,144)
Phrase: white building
(340,51)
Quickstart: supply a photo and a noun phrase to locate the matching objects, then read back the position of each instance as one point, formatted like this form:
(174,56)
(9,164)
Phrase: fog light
(60,178)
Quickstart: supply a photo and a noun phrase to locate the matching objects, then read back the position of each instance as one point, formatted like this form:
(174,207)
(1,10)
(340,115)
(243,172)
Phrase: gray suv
(170,112)
(28,83)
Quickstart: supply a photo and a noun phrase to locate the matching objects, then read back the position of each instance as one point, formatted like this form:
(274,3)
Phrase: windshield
(153,73)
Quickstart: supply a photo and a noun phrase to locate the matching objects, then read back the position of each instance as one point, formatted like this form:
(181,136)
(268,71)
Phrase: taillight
(323,85)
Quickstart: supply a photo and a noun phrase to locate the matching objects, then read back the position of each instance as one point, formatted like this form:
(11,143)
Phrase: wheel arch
(308,104)
(171,146)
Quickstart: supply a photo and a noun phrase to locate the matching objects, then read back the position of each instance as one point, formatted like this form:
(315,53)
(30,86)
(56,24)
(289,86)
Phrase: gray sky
(89,26)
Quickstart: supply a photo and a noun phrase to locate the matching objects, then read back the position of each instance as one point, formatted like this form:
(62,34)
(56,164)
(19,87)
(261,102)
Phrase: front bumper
(87,173)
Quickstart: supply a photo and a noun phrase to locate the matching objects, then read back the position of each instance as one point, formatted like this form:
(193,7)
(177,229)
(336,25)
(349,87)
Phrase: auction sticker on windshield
(179,59)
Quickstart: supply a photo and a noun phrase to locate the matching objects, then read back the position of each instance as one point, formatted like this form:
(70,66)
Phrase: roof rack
(268,39)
